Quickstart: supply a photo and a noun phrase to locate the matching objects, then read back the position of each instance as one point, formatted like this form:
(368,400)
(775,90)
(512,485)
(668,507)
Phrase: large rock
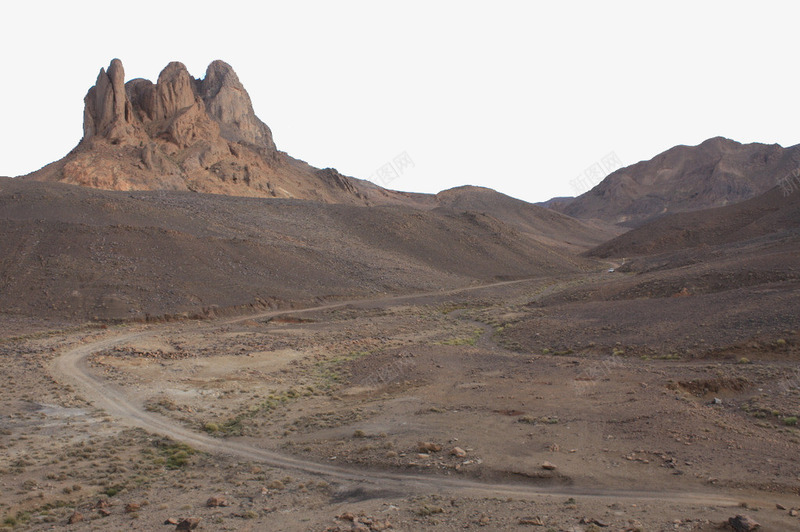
(108,112)
(228,103)
(186,134)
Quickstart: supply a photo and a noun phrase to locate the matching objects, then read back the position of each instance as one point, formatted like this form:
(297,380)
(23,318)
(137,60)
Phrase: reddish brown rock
(428,447)
(458,452)
(215,501)
(186,134)
(228,103)
(190,523)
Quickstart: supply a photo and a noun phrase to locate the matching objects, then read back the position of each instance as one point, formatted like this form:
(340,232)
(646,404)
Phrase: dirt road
(73,365)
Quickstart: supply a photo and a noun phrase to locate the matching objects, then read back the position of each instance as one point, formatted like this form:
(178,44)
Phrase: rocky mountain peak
(182,133)
(107,110)
(177,108)
(228,103)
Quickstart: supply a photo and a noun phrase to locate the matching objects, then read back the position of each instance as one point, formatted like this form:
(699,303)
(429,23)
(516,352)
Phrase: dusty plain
(517,405)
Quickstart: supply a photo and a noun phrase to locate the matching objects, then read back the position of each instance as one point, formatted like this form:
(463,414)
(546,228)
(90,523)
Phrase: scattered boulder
(548,466)
(428,447)
(104,512)
(216,501)
(190,523)
(458,452)
(743,523)
(132,507)
(76,517)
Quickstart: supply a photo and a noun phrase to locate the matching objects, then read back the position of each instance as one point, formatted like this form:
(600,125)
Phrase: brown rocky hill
(77,252)
(537,221)
(685,178)
(202,135)
(183,133)
(773,214)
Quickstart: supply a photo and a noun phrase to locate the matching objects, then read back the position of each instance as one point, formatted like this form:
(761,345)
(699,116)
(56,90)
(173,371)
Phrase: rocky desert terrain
(199,332)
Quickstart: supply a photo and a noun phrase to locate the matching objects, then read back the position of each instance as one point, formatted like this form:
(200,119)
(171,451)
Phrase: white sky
(518,96)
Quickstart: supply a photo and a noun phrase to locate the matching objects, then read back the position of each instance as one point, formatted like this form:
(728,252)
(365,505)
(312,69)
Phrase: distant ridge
(685,178)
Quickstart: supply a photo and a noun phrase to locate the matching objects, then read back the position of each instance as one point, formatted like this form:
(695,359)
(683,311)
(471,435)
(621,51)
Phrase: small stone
(716,401)
(347,516)
(171,521)
(592,521)
(428,447)
(743,523)
(548,466)
(535,521)
(104,512)
(794,513)
(76,517)
(380,526)
(190,523)
(458,452)
(216,501)
(132,507)
(779,506)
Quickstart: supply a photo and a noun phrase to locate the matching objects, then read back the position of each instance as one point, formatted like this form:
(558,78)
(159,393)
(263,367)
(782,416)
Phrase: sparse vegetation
(176,455)
(463,340)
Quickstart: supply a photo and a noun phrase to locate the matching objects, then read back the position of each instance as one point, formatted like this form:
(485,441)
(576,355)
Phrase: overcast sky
(522,97)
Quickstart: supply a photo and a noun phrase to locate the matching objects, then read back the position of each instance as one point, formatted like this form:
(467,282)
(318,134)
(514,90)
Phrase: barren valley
(198,331)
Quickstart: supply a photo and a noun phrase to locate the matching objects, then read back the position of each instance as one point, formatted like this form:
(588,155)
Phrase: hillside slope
(718,172)
(770,214)
(539,222)
(79,252)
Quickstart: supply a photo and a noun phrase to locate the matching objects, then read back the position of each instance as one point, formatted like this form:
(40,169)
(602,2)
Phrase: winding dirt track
(73,365)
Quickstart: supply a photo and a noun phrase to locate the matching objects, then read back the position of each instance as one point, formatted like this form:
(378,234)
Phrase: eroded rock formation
(182,133)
